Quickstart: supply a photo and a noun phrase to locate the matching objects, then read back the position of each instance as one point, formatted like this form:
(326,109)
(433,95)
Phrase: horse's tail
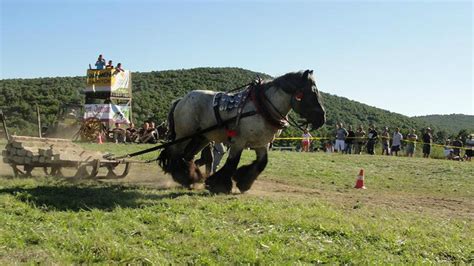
(172,131)
(165,157)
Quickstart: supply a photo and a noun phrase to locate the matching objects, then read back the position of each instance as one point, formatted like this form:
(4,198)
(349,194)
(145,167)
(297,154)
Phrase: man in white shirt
(396,142)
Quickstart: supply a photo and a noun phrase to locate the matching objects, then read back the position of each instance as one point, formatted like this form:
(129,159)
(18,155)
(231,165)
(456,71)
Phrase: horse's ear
(306,74)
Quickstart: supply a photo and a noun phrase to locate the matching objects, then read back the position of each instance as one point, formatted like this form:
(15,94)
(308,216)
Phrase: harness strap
(165,145)
(258,96)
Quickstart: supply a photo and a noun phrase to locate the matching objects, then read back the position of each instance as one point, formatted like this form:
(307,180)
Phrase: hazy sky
(408,57)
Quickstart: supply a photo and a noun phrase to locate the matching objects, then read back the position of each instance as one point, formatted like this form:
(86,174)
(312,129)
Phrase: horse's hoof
(244,187)
(219,188)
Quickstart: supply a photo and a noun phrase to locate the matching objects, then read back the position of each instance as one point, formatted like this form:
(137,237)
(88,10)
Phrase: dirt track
(150,175)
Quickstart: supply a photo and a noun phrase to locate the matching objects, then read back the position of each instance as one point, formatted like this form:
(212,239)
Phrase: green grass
(320,219)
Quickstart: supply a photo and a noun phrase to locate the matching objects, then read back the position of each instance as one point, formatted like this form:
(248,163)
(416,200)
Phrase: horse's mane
(290,81)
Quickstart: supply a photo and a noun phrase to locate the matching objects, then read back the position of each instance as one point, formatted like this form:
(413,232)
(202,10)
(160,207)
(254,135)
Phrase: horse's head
(306,100)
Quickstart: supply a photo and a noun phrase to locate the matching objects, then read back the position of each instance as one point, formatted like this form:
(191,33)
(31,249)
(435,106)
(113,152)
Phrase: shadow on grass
(86,198)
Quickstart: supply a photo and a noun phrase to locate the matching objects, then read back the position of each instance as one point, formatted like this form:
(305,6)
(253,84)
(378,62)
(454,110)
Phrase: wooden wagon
(52,155)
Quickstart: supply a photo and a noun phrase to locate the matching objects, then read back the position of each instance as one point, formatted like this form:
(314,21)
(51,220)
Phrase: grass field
(302,209)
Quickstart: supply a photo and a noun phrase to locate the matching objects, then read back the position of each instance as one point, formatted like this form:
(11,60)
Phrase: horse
(202,116)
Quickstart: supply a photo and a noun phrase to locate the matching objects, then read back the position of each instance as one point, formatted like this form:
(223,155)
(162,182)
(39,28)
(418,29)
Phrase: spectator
(371,140)
(100,64)
(350,139)
(146,135)
(131,133)
(396,142)
(385,141)
(427,139)
(341,134)
(306,141)
(153,130)
(109,65)
(329,147)
(359,140)
(448,151)
(119,134)
(457,143)
(469,147)
(411,143)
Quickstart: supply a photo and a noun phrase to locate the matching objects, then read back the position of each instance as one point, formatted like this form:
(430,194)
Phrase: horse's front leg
(221,181)
(246,175)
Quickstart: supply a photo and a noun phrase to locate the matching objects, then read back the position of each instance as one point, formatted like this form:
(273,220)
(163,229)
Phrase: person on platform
(119,68)
(109,65)
(100,64)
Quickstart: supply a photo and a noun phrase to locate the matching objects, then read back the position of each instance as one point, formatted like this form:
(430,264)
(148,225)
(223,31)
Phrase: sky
(408,57)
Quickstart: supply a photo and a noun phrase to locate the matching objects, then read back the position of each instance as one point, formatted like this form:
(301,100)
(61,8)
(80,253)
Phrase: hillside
(453,123)
(154,91)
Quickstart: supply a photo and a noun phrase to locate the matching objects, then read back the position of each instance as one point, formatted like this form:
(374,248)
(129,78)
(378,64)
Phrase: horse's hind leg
(180,163)
(197,144)
(221,181)
(206,159)
(247,174)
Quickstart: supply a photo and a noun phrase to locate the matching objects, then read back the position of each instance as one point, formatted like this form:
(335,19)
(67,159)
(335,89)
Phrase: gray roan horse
(252,125)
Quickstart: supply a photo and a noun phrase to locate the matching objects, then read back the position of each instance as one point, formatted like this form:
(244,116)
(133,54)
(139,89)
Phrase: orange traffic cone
(360,180)
(99,139)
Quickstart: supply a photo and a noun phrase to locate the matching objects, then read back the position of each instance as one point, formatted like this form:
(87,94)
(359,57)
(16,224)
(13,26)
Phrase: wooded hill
(453,123)
(154,91)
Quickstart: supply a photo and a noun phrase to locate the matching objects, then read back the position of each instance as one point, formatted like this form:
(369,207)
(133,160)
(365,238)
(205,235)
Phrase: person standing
(371,140)
(305,141)
(427,139)
(100,64)
(396,142)
(385,141)
(349,140)
(411,145)
(469,147)
(457,144)
(359,140)
(341,134)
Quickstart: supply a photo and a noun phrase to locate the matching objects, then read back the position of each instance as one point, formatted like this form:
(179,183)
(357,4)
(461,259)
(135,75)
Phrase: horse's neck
(280,99)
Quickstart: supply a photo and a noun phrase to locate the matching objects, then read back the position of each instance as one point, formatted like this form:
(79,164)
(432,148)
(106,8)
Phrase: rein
(167,144)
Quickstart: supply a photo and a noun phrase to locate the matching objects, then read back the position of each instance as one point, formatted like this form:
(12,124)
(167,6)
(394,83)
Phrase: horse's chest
(228,102)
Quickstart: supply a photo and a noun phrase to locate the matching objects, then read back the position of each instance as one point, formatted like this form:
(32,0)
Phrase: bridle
(281,121)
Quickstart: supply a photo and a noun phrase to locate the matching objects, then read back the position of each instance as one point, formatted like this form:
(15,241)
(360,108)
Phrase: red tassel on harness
(231,133)
(299,96)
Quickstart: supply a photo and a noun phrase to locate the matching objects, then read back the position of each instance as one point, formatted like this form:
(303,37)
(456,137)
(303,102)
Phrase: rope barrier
(379,138)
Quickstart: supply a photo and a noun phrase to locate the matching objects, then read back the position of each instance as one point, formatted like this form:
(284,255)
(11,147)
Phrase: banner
(109,113)
(108,80)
